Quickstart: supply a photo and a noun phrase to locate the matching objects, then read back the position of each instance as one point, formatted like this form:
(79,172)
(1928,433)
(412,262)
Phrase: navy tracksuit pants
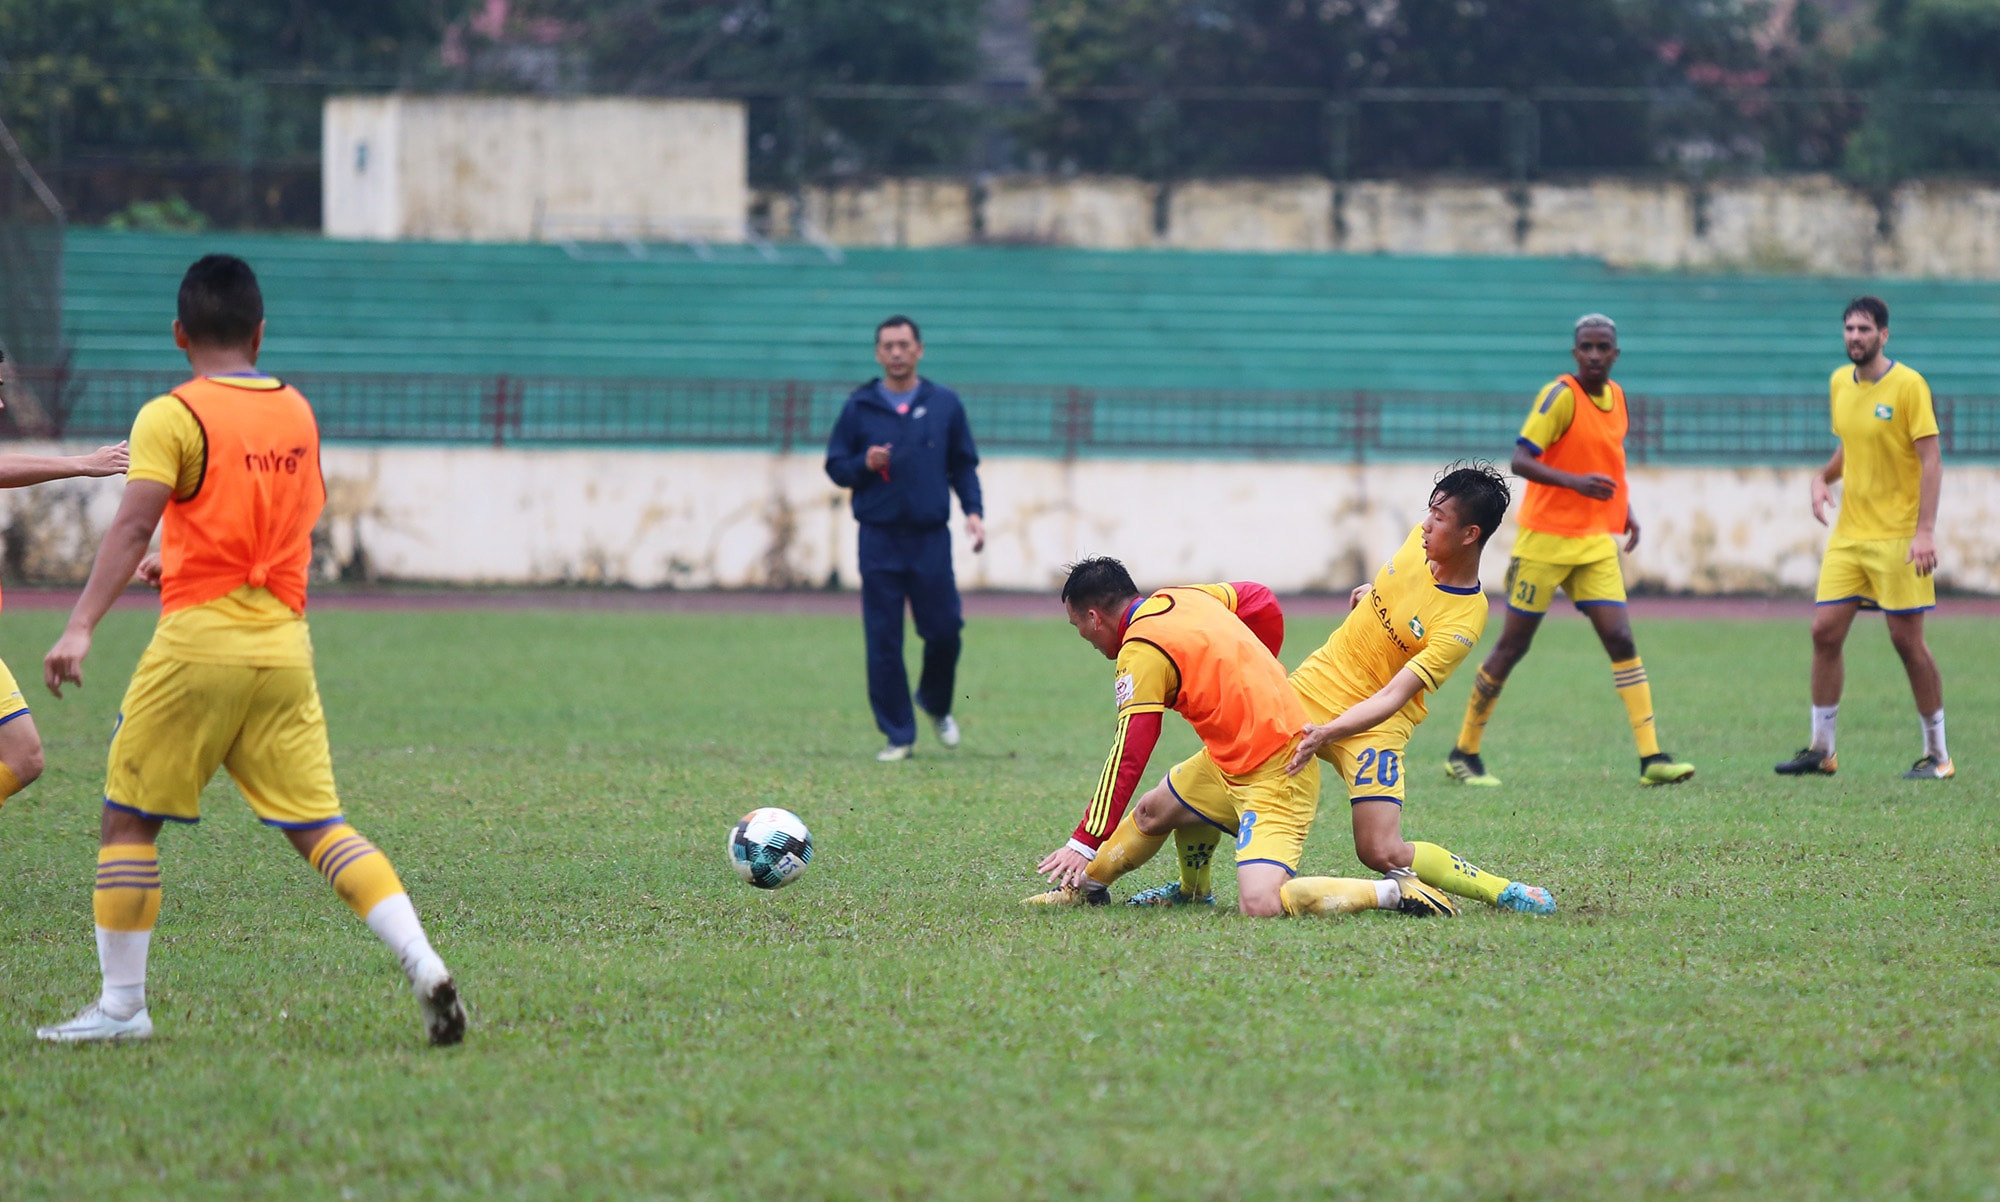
(901,564)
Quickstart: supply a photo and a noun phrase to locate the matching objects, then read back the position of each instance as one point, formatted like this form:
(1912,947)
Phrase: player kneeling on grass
(231,461)
(1363,694)
(1187,649)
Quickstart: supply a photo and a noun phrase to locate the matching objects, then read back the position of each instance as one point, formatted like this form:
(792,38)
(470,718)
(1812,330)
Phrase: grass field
(1755,987)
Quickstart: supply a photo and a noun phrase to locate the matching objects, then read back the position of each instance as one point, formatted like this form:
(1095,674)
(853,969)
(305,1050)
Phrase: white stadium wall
(512,169)
(704,519)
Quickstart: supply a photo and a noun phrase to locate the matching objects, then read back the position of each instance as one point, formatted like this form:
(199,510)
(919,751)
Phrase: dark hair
(1099,583)
(1481,492)
(898,319)
(220,303)
(1874,306)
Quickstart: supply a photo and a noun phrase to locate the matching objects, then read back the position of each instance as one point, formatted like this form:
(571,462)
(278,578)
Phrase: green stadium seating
(1028,315)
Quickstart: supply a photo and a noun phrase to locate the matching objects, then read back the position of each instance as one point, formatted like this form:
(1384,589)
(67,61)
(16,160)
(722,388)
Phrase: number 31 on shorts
(1386,766)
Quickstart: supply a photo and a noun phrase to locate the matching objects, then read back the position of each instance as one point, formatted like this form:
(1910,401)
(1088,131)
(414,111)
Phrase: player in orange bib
(230,461)
(1572,454)
(1363,695)
(20,742)
(1190,650)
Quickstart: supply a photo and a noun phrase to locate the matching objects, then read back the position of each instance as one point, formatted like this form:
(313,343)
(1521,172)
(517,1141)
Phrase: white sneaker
(437,997)
(947,730)
(93,1025)
(893,753)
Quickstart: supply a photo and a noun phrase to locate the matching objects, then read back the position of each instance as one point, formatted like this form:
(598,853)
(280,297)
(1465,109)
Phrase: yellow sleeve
(1920,420)
(1445,650)
(168,447)
(1147,680)
(1225,593)
(1550,418)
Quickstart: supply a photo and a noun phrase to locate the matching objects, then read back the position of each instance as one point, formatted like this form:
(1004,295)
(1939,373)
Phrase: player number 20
(1386,766)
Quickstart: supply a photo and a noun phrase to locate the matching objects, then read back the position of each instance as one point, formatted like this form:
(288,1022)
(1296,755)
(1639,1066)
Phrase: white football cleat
(893,753)
(437,997)
(93,1025)
(947,730)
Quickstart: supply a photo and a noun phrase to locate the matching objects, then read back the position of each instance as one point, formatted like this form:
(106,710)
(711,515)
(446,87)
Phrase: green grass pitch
(1755,987)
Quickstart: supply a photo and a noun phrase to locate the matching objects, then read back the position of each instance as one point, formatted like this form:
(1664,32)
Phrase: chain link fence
(244,151)
(1057,422)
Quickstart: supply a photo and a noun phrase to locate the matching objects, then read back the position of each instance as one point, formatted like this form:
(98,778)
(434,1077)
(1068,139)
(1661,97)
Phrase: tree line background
(165,111)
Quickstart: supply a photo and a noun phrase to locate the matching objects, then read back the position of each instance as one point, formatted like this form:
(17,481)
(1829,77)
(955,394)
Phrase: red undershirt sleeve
(1257,607)
(1138,733)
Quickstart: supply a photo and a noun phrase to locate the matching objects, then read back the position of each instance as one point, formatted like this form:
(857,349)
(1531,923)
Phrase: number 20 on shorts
(1386,766)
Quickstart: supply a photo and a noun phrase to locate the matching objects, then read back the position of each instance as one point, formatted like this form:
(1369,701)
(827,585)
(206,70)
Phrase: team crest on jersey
(1123,690)
(1884,412)
(1417,627)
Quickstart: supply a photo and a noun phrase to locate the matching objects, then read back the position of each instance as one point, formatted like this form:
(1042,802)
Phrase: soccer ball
(770,847)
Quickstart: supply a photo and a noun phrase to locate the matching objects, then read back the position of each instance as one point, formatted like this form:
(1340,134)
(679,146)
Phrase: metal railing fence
(1046,420)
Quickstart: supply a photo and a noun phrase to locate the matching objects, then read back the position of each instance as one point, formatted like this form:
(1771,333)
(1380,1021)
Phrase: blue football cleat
(1526,899)
(1168,894)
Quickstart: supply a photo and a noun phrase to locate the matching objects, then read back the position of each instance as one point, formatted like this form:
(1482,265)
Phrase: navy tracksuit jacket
(905,517)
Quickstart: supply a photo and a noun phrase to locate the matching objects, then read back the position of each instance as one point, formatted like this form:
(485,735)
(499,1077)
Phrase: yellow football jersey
(1878,426)
(1407,620)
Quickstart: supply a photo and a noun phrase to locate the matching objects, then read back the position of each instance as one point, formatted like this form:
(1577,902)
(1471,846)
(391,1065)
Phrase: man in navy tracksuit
(903,445)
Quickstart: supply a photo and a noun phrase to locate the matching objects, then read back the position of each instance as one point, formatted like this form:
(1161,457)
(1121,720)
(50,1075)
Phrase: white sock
(1823,717)
(1388,893)
(394,921)
(122,957)
(1933,725)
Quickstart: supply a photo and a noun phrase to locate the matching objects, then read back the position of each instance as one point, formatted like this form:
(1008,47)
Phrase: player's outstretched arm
(1365,716)
(125,544)
(1138,734)
(19,471)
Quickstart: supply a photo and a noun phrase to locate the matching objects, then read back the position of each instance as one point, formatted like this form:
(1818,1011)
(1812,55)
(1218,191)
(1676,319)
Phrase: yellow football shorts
(12,704)
(1532,584)
(1878,573)
(1269,812)
(1371,762)
(180,721)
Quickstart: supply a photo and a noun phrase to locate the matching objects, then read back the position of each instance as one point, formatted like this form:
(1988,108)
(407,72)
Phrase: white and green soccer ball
(770,847)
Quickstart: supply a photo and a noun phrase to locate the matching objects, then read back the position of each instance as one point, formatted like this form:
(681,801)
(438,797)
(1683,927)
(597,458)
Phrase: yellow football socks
(1196,847)
(1630,677)
(356,868)
(1478,708)
(128,887)
(10,784)
(1441,869)
(1127,848)
(1330,895)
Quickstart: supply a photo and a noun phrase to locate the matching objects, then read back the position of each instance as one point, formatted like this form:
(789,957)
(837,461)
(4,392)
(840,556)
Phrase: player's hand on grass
(151,569)
(1065,866)
(975,529)
(1923,552)
(64,662)
(105,461)
(1596,485)
(1822,497)
(878,457)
